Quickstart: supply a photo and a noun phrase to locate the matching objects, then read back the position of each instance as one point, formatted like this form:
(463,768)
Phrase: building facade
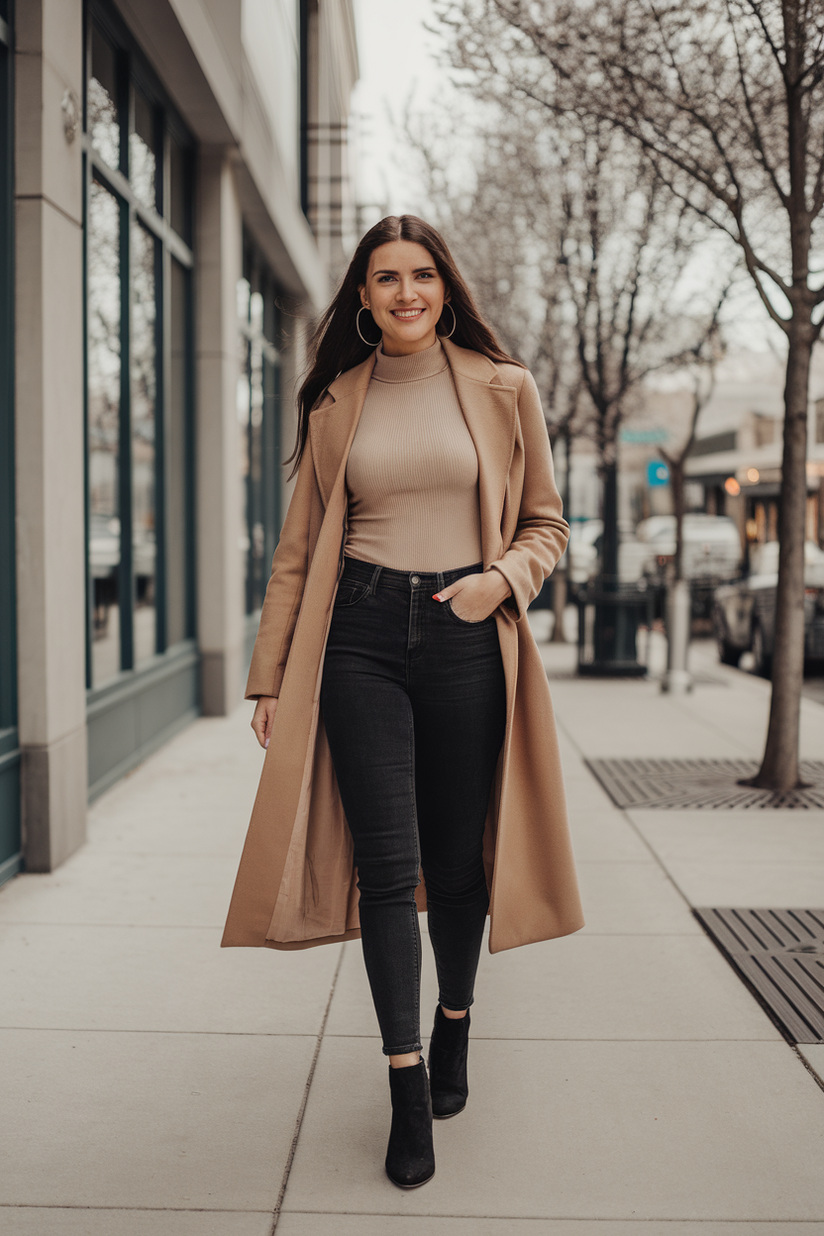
(734,467)
(174,206)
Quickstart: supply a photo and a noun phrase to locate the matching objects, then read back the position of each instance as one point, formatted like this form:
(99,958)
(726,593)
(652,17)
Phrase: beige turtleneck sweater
(412,473)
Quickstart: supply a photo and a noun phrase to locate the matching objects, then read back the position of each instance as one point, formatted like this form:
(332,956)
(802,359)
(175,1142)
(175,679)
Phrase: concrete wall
(271,47)
(219,491)
(49,430)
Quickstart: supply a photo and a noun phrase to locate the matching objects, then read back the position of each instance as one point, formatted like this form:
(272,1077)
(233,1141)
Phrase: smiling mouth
(406,314)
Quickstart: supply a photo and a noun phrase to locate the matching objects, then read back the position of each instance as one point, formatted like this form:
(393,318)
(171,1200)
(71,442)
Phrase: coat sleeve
(284,592)
(542,532)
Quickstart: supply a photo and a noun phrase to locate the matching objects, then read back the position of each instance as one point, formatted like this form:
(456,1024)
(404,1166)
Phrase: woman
(399,690)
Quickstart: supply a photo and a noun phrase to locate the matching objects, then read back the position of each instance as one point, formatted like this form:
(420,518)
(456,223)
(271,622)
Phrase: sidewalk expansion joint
(153,1210)
(302,1109)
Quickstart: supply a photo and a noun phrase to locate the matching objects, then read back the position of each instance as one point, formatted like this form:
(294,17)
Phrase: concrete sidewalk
(623,1079)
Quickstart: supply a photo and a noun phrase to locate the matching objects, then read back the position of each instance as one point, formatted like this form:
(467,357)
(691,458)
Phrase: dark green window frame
(139,416)
(259,411)
(170,246)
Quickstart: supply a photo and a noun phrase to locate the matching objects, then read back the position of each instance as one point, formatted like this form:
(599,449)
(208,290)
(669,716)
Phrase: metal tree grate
(780,954)
(701,785)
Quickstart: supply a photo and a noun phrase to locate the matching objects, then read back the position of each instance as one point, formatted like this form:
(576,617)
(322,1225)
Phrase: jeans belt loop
(373,583)
(440,580)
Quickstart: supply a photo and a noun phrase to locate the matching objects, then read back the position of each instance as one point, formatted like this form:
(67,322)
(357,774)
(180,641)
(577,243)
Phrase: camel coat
(296,886)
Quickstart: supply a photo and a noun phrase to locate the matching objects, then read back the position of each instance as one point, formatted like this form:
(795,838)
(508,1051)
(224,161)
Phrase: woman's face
(405,295)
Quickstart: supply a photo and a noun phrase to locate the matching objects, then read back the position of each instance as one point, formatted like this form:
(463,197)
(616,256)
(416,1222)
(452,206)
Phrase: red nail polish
(436,596)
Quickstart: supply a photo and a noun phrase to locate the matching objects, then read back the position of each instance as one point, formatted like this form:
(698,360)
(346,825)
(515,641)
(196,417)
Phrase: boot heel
(410,1155)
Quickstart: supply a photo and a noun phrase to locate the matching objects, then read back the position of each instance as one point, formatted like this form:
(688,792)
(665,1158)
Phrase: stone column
(220,493)
(50,458)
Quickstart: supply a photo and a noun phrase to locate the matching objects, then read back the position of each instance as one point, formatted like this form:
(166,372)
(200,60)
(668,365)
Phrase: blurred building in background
(734,465)
(174,205)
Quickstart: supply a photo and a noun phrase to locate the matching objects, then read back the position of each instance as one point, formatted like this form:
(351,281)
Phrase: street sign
(657,473)
(652,435)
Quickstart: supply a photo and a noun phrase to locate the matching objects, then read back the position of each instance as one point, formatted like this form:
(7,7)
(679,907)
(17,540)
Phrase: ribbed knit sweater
(412,473)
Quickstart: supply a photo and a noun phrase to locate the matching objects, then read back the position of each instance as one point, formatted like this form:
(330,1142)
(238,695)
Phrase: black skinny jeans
(414,706)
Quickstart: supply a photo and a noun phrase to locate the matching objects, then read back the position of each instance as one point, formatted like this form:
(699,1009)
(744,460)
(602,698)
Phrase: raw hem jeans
(414,705)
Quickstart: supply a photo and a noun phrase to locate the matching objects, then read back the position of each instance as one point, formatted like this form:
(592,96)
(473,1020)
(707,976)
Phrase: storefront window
(177,452)
(103,436)
(102,120)
(144,393)
(139,414)
(259,420)
(143,150)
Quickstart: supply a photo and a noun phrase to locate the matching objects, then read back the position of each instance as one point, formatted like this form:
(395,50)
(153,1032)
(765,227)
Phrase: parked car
(743,615)
(711,545)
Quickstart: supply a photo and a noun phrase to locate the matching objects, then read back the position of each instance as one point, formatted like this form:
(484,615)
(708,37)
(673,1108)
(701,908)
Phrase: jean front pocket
(349,594)
(467,622)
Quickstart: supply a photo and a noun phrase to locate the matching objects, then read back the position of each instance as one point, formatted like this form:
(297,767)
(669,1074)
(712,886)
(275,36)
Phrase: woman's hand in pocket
(265,710)
(475,597)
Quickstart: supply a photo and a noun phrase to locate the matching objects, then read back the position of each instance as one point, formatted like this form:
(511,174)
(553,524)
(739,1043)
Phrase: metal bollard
(677,679)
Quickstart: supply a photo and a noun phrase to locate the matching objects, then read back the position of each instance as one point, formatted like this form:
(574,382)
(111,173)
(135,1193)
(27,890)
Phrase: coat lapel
(490,411)
(332,426)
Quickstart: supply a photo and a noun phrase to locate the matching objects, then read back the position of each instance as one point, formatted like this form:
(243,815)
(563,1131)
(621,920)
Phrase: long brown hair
(335,345)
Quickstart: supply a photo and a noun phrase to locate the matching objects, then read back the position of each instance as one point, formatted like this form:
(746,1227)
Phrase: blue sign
(657,473)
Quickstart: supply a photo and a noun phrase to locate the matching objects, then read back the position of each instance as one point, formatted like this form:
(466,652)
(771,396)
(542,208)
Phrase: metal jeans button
(416,579)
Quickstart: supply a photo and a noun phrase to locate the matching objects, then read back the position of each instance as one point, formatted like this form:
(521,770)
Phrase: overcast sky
(397,55)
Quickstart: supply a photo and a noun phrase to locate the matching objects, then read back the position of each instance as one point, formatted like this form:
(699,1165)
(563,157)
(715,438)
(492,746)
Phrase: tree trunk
(779,768)
(559,604)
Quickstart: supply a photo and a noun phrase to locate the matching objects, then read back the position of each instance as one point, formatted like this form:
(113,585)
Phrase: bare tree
(699,363)
(726,98)
(488,182)
(626,247)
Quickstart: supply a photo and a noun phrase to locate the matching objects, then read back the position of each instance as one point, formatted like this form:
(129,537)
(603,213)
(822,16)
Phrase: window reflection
(255,571)
(101,100)
(143,391)
(142,150)
(176,439)
(104,429)
(257,418)
(139,494)
(243,415)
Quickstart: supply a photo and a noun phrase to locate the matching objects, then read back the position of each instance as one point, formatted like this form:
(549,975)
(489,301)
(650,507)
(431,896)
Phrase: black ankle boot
(448,1049)
(410,1155)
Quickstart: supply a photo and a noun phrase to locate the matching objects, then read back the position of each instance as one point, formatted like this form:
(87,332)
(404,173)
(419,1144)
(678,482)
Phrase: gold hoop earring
(454,321)
(358,329)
